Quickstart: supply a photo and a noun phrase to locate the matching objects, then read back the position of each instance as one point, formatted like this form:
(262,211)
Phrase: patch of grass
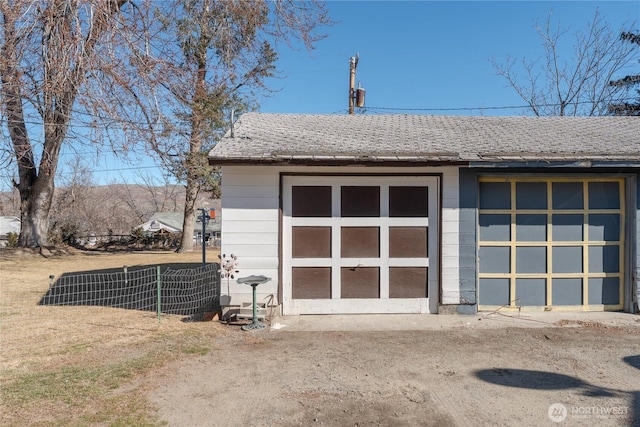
(104,391)
(66,385)
(197,350)
(76,348)
(125,410)
(72,385)
(82,390)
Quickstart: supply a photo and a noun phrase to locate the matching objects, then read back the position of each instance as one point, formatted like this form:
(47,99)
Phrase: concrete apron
(409,322)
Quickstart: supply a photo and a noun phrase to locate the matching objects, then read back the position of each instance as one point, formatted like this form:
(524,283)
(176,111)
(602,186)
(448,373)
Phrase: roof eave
(556,163)
(488,163)
(352,161)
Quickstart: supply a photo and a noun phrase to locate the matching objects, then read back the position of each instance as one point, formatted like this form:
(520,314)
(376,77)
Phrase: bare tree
(628,82)
(70,217)
(555,85)
(47,50)
(10,203)
(81,208)
(124,70)
(108,213)
(154,194)
(196,61)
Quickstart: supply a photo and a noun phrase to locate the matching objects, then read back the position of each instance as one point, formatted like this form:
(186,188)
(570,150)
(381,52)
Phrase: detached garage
(428,214)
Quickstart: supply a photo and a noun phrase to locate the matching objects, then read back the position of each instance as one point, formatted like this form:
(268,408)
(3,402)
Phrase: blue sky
(416,57)
(429,55)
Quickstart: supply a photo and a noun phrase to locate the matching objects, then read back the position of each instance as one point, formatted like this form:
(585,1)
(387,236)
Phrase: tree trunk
(35,205)
(186,244)
(36,192)
(50,80)
(192,161)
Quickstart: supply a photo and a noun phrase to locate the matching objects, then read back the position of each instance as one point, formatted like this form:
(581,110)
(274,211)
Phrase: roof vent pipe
(231,120)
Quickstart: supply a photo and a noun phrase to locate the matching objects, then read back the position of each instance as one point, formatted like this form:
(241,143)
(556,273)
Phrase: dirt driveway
(460,371)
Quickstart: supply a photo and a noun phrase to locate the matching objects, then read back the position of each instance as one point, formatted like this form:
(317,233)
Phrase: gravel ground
(544,369)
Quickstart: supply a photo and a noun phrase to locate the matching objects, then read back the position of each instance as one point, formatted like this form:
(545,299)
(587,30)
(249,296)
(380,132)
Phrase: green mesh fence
(175,291)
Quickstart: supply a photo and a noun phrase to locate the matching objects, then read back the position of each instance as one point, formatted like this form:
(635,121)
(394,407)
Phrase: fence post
(159,283)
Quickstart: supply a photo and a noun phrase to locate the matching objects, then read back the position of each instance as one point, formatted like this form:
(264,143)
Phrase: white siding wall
(250,211)
(250,203)
(450,277)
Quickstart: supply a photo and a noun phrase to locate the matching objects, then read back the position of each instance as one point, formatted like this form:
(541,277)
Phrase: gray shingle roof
(172,219)
(175,220)
(328,139)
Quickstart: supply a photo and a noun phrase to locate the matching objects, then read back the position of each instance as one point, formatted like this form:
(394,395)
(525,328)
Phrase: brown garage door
(359,244)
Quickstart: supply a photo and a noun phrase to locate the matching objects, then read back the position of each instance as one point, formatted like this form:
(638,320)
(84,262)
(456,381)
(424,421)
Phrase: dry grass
(82,365)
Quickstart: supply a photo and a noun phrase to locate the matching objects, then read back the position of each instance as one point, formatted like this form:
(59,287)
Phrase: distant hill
(104,209)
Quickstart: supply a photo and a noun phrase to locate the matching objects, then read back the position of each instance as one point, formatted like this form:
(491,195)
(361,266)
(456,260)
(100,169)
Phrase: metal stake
(204,217)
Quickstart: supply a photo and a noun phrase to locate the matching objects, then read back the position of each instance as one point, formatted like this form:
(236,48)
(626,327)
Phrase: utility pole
(356,97)
(353,63)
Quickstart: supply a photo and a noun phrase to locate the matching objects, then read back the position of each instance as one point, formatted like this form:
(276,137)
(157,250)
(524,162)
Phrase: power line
(508,107)
(112,170)
(450,108)
(84,124)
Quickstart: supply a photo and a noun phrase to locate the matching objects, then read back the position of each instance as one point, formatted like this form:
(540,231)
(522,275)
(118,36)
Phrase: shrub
(12,239)
(137,235)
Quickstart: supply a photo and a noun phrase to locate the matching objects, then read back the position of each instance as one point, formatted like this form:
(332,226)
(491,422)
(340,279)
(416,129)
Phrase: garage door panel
(311,201)
(568,195)
(360,201)
(604,195)
(567,227)
(567,259)
(311,282)
(494,259)
(531,292)
(531,259)
(495,227)
(567,291)
(359,242)
(408,242)
(360,282)
(311,242)
(604,227)
(578,262)
(408,282)
(531,195)
(409,202)
(604,290)
(495,195)
(604,259)
(531,227)
(494,292)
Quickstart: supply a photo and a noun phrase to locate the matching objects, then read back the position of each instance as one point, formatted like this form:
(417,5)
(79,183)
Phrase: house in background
(167,221)
(8,224)
(171,222)
(428,214)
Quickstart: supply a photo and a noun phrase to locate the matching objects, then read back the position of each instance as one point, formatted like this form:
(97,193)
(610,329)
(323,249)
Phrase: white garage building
(428,214)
